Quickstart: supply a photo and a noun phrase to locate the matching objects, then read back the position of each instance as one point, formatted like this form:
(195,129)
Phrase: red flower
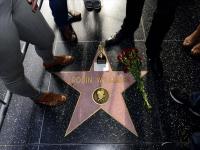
(125,69)
(140,58)
(135,50)
(123,53)
(119,57)
(128,50)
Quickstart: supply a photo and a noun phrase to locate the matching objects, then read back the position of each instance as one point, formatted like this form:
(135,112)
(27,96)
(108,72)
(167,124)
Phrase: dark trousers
(162,20)
(59,11)
(195,101)
(195,141)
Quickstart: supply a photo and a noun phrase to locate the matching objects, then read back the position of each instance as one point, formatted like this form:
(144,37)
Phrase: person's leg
(61,14)
(11,68)
(33,28)
(195,141)
(59,11)
(131,23)
(162,21)
(63,20)
(196,98)
(195,103)
(133,15)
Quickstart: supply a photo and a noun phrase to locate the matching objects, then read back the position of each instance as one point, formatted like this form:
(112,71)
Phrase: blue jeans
(60,12)
(195,141)
(195,100)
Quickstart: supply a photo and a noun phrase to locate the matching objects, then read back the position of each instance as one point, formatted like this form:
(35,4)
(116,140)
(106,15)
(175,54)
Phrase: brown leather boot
(196,50)
(69,34)
(60,61)
(193,38)
(51,99)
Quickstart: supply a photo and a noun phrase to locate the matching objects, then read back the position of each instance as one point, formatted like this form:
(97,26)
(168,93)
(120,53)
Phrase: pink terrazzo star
(86,82)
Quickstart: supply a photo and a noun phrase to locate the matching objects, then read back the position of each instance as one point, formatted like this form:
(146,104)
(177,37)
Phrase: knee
(15,84)
(13,77)
(47,41)
(12,80)
(51,36)
(50,39)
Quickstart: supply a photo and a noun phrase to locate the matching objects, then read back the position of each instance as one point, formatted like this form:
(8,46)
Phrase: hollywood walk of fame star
(86,82)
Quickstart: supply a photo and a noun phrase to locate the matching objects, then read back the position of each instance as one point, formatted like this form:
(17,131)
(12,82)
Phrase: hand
(34,5)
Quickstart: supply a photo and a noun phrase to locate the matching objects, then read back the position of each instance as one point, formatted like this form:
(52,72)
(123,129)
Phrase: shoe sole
(75,19)
(175,99)
(89,9)
(195,113)
(196,57)
(97,10)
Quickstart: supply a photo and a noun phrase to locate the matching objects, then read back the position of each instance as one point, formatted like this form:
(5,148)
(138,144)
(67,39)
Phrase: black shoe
(97,5)
(156,66)
(181,97)
(74,16)
(174,146)
(195,111)
(88,5)
(119,37)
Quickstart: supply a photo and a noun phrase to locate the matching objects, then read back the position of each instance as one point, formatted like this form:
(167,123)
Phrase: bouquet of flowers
(133,64)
